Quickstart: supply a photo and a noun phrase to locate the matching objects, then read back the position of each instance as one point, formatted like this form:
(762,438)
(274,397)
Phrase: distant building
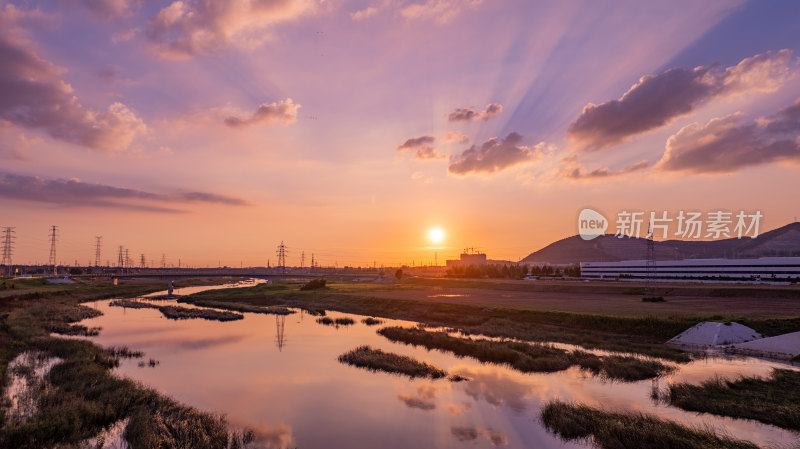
(782,269)
(468,257)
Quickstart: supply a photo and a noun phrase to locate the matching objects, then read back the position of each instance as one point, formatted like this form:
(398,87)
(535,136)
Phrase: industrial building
(779,269)
(469,257)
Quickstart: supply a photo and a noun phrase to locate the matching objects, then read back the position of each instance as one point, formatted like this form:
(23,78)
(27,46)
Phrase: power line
(120,260)
(97,246)
(282,256)
(52,261)
(8,247)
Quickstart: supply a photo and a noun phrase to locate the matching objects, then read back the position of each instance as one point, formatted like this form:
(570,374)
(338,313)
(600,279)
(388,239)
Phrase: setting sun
(436,235)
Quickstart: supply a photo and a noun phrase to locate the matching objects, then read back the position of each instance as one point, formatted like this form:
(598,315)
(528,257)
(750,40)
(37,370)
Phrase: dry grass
(377,360)
(527,357)
(629,431)
(773,400)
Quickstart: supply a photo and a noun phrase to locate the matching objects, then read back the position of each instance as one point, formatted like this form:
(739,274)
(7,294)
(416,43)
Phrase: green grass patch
(528,357)
(773,400)
(178,312)
(617,430)
(377,360)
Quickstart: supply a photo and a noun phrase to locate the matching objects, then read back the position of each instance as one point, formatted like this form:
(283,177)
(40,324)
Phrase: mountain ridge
(783,241)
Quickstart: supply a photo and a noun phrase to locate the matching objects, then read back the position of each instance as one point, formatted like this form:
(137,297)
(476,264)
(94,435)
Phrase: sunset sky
(211,130)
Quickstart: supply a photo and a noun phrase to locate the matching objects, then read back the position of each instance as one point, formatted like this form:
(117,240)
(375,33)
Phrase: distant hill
(784,241)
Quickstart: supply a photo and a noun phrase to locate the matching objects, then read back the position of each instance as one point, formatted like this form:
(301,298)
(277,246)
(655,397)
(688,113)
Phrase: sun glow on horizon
(436,235)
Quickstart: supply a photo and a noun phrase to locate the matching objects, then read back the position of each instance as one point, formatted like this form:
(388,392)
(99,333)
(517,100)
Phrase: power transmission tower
(142,262)
(97,245)
(163,261)
(120,260)
(313,263)
(282,252)
(127,261)
(8,248)
(302,259)
(53,261)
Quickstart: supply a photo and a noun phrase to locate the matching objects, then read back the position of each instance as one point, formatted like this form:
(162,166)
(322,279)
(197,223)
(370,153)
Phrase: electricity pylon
(52,261)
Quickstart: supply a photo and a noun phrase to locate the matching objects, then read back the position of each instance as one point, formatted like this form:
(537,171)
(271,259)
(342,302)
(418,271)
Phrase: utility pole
(282,257)
(98,243)
(52,261)
(8,248)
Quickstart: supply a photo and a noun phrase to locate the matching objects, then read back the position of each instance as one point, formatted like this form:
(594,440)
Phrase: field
(601,297)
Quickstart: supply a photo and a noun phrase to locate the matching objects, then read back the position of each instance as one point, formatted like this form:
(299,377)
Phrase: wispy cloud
(656,100)
(76,193)
(730,143)
(440,11)
(186,29)
(105,9)
(604,172)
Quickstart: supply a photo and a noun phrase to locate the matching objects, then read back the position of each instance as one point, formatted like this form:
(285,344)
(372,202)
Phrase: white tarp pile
(784,346)
(710,333)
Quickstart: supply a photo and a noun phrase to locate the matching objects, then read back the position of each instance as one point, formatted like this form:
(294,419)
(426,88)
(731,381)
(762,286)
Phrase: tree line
(512,271)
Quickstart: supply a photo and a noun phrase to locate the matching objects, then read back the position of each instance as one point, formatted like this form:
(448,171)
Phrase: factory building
(781,269)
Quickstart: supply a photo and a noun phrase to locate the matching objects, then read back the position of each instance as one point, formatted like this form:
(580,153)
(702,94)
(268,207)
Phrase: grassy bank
(530,357)
(624,334)
(79,397)
(773,400)
(179,313)
(377,360)
(269,310)
(616,430)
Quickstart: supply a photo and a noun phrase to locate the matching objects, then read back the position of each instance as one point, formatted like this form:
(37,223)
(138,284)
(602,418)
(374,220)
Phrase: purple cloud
(727,144)
(469,114)
(577,173)
(656,100)
(492,156)
(76,193)
(34,96)
(423,146)
(284,111)
(185,29)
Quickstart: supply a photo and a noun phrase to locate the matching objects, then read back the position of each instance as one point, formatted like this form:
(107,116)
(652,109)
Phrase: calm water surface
(280,376)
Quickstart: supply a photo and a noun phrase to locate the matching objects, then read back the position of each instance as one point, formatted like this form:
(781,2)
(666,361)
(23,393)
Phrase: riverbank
(79,396)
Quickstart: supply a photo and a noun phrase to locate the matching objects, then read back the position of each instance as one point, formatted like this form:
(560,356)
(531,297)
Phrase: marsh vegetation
(79,396)
(773,400)
(179,313)
(530,357)
(377,360)
(629,430)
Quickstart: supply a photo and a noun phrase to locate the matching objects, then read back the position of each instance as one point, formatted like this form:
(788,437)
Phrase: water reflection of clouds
(471,433)
(425,396)
(271,437)
(495,387)
(204,343)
